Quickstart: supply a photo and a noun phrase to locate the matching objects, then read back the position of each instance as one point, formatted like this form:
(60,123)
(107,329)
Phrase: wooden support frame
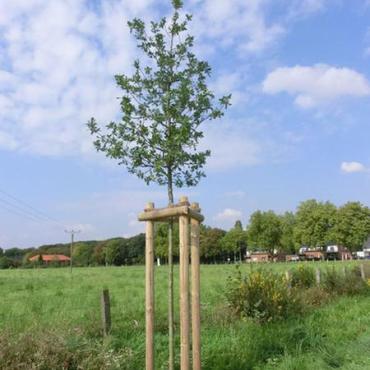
(189,218)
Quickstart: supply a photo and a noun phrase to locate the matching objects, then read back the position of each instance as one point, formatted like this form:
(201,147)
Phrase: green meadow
(51,319)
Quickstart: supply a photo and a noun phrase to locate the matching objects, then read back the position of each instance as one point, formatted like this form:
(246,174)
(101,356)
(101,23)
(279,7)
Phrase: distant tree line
(314,224)
(112,252)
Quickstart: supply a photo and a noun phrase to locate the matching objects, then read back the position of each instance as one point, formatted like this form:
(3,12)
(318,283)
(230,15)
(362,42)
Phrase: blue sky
(298,128)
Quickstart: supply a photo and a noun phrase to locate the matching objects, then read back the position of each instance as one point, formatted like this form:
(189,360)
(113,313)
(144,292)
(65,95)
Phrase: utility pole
(72,232)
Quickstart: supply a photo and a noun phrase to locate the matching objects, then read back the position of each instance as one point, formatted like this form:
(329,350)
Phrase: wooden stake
(184,292)
(149,292)
(105,310)
(362,270)
(195,290)
(318,276)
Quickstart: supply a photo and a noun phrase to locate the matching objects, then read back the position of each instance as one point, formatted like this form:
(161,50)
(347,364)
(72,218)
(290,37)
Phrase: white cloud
(7,141)
(303,8)
(231,145)
(232,83)
(237,23)
(318,84)
(247,142)
(228,214)
(351,167)
(56,70)
(58,58)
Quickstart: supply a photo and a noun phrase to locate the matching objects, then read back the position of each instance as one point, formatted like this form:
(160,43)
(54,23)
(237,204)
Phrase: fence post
(288,277)
(362,270)
(105,309)
(318,276)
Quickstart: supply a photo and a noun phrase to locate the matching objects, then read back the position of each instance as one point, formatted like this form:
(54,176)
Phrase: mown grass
(50,319)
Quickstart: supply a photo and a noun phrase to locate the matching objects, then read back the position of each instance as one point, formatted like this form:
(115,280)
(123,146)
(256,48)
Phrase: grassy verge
(51,320)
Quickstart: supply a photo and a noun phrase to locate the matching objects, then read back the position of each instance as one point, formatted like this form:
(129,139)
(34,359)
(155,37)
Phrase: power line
(22,206)
(18,213)
(20,210)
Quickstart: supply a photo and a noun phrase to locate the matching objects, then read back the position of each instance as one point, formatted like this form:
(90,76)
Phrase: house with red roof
(49,258)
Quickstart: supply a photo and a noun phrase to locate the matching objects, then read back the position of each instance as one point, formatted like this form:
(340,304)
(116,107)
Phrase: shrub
(6,263)
(64,351)
(331,280)
(314,296)
(338,283)
(262,295)
(303,277)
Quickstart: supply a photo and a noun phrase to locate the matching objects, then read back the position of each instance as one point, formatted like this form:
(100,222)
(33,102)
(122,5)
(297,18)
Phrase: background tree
(352,226)
(98,256)
(235,241)
(26,257)
(6,262)
(83,254)
(163,105)
(136,249)
(161,240)
(287,232)
(210,243)
(112,252)
(265,231)
(315,223)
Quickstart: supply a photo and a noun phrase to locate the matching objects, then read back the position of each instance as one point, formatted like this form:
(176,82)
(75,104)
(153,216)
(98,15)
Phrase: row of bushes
(267,296)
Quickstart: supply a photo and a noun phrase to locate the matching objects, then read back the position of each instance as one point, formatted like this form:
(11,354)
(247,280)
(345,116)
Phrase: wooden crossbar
(164,214)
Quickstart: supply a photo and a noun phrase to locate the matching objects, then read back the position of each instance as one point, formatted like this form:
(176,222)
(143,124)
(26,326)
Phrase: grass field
(50,319)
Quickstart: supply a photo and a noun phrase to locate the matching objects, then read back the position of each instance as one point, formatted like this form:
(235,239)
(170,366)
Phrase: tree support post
(184,292)
(195,289)
(149,291)
(189,218)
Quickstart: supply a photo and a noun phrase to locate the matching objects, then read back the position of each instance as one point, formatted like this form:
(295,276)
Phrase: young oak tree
(163,104)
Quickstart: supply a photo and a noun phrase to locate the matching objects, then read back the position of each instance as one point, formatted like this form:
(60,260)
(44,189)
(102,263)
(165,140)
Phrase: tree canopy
(265,231)
(352,225)
(314,223)
(163,104)
(288,222)
(210,242)
(235,240)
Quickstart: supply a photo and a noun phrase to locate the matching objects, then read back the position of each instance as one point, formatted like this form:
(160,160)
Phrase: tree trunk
(170,283)
(171,362)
